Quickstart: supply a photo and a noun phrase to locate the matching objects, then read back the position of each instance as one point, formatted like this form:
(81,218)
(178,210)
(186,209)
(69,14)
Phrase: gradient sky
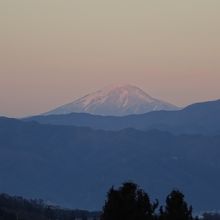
(53,51)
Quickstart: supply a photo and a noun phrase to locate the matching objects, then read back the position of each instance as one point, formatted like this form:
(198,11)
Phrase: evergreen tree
(176,208)
(128,203)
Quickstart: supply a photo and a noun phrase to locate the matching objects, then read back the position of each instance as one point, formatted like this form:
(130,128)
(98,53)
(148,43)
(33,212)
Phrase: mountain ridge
(74,166)
(197,118)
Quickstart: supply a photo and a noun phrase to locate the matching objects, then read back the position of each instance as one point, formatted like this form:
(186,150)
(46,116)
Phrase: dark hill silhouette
(200,118)
(18,208)
(75,166)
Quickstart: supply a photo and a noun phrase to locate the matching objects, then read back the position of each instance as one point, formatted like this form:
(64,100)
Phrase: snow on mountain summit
(117,100)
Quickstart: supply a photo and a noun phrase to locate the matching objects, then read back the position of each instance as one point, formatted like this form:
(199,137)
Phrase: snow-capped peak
(115,100)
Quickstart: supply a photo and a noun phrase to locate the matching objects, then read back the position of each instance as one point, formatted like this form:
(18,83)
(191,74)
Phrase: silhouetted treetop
(129,202)
(176,208)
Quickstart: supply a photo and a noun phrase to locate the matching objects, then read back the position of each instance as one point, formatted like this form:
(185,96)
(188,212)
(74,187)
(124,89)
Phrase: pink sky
(52,52)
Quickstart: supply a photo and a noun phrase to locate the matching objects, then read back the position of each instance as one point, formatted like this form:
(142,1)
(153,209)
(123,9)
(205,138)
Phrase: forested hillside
(18,208)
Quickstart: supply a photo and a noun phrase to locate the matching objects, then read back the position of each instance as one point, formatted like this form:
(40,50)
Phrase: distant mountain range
(200,118)
(74,166)
(117,100)
(73,159)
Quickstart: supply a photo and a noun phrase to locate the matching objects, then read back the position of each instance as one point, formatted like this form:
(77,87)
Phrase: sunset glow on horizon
(52,52)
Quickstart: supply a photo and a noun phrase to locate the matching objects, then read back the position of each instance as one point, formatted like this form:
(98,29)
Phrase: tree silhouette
(129,202)
(176,208)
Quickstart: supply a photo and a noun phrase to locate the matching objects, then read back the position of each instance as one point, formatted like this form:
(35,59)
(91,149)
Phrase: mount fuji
(116,100)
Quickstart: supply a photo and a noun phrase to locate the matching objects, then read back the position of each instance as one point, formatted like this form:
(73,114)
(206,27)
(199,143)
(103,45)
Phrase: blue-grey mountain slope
(199,118)
(76,166)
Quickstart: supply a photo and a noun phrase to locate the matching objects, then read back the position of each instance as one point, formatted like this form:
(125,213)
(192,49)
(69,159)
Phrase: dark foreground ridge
(18,208)
(127,202)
